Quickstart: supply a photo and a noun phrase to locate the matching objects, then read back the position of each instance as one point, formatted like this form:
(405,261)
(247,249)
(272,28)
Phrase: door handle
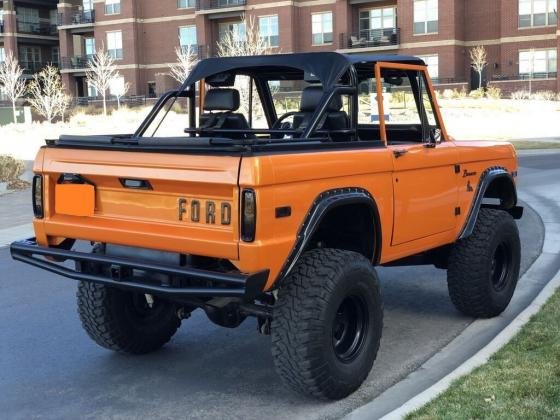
(400,152)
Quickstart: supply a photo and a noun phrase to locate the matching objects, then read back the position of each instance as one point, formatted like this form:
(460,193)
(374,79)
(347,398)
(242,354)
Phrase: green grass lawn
(531,145)
(521,381)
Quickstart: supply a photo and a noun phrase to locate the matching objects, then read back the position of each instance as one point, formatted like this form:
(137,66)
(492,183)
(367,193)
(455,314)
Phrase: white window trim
(115,49)
(268,36)
(426,59)
(112,3)
(322,30)
(534,50)
(414,21)
(186,7)
(195,35)
(532,25)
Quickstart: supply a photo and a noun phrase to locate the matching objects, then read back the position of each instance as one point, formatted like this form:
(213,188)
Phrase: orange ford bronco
(277,203)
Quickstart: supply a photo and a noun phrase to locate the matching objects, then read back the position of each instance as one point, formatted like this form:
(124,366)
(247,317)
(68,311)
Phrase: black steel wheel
(327,323)
(501,266)
(349,328)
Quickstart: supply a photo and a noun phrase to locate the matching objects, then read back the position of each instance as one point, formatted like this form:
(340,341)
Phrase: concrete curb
(479,358)
(488,336)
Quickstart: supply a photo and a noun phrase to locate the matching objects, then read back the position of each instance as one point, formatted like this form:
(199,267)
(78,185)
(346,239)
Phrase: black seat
(334,118)
(220,106)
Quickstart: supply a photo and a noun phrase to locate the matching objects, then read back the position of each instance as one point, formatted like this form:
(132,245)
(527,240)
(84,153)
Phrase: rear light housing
(248,215)
(37,196)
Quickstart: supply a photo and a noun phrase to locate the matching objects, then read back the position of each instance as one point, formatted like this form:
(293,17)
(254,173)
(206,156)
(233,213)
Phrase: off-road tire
(112,318)
(312,302)
(477,285)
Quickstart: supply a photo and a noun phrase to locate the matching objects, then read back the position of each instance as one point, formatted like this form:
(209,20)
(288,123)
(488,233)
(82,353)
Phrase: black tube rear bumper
(209,283)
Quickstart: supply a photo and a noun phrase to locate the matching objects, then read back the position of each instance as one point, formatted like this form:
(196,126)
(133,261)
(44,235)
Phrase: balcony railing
(75,63)
(199,51)
(41,28)
(32,67)
(76,17)
(218,4)
(370,38)
(447,80)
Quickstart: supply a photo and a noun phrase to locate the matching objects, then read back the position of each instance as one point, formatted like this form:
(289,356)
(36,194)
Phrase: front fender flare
(486,179)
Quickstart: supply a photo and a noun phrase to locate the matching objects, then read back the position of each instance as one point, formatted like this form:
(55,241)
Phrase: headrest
(311,96)
(221,100)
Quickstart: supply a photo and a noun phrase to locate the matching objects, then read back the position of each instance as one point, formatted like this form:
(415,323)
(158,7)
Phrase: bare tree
(120,92)
(479,60)
(186,57)
(100,72)
(11,80)
(234,45)
(47,94)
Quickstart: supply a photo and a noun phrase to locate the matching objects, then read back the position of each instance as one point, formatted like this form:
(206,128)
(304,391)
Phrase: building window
(426,16)
(89,47)
(538,63)
(377,23)
(87,5)
(432,61)
(152,89)
(2,55)
(184,4)
(112,7)
(268,29)
(187,38)
(114,45)
(537,13)
(30,58)
(236,28)
(92,92)
(27,19)
(322,28)
(55,56)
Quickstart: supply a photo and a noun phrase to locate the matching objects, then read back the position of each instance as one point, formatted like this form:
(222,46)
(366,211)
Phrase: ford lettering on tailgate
(190,210)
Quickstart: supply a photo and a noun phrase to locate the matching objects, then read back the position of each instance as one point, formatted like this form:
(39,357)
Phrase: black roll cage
(343,79)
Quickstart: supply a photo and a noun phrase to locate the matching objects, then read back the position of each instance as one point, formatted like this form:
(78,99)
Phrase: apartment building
(522,37)
(28,31)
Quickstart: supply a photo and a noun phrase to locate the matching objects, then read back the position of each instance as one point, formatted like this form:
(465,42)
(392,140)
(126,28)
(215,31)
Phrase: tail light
(37,196)
(248,215)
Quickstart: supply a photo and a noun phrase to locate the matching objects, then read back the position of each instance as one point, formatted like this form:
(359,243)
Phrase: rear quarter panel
(296,180)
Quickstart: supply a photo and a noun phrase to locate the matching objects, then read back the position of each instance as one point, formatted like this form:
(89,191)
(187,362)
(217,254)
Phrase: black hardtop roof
(328,67)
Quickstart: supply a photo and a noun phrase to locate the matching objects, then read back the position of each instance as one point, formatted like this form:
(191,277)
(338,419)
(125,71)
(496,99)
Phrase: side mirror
(434,137)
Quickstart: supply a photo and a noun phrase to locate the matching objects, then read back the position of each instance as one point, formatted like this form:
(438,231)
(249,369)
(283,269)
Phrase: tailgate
(172,202)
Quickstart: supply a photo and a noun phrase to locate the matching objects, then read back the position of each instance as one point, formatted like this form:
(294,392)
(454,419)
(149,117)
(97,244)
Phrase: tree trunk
(14,111)
(480,79)
(104,106)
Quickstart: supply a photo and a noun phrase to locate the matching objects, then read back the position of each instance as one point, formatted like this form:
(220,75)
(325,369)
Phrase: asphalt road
(49,368)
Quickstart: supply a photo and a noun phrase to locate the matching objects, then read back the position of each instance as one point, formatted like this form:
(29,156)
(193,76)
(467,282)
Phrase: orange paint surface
(416,194)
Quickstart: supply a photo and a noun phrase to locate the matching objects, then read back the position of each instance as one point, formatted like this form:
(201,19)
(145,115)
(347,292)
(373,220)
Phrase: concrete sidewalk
(15,209)
(15,216)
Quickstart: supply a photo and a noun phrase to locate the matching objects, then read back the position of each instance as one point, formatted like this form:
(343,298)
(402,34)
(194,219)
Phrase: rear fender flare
(322,205)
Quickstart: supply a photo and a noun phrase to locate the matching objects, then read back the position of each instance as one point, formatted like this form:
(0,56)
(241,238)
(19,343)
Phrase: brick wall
(150,33)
